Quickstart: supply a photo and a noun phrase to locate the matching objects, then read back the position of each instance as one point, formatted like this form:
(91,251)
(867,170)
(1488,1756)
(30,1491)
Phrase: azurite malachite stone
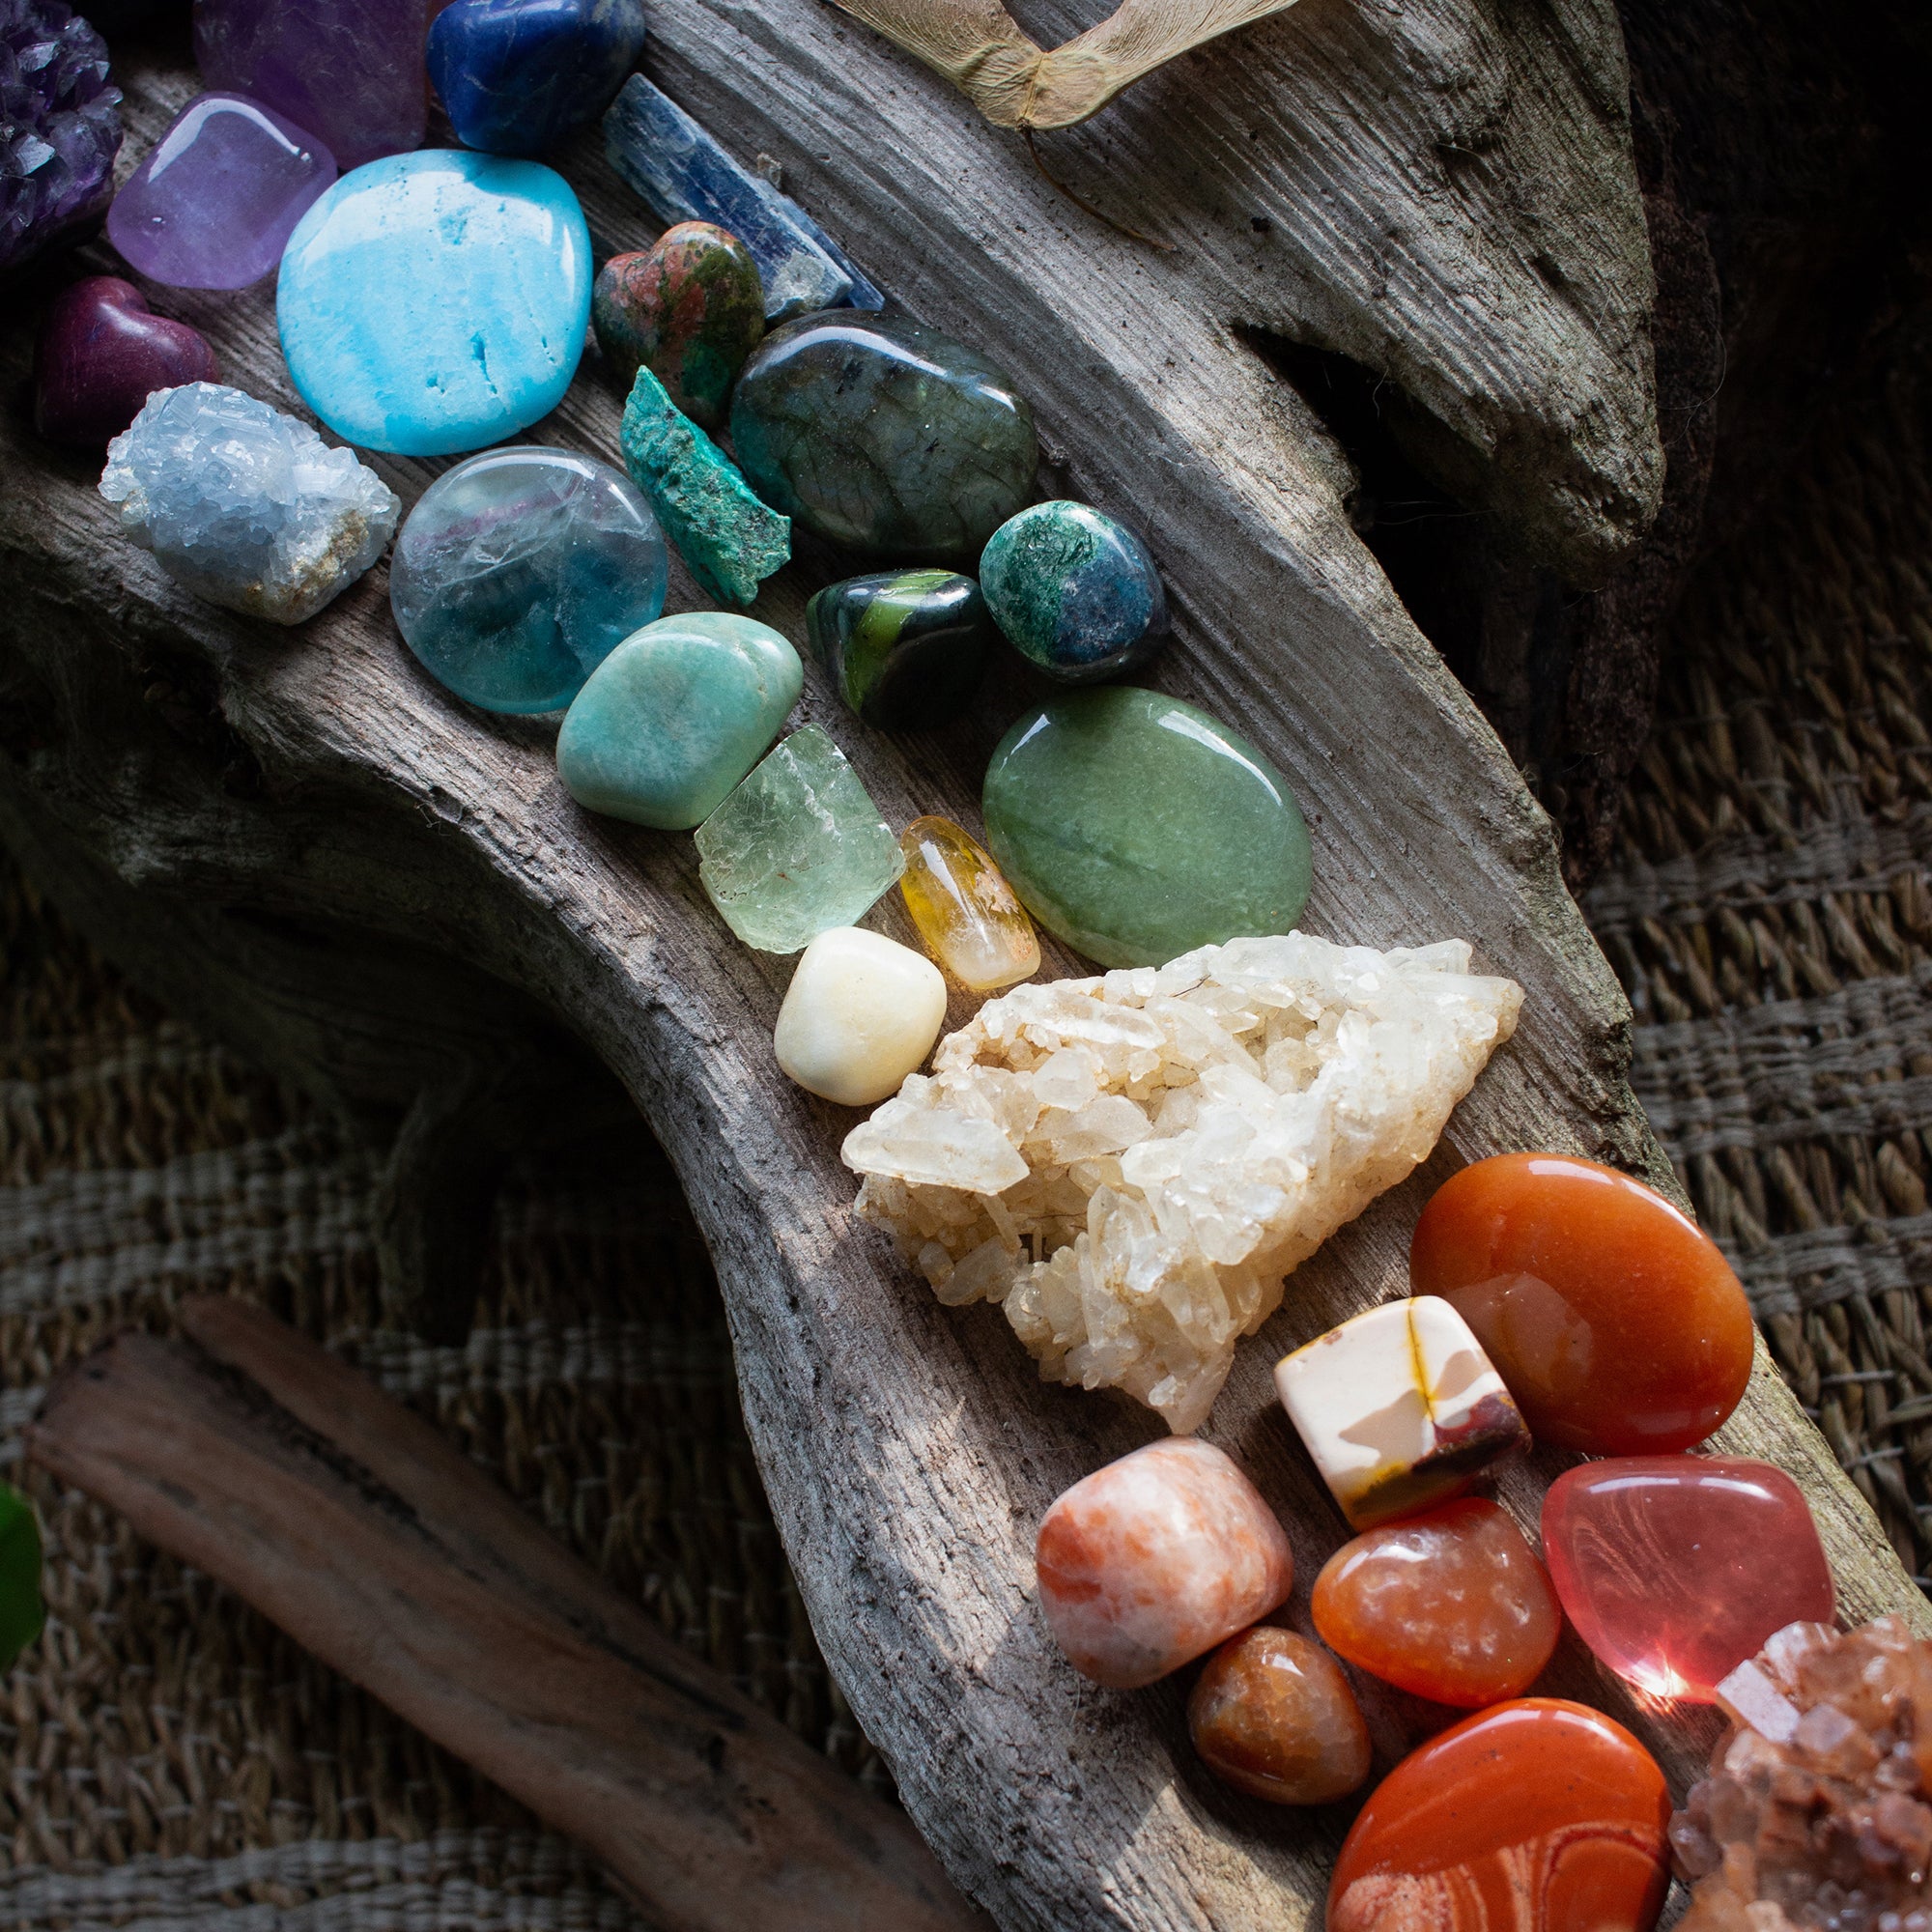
(1076,592)
(904,648)
(1137,828)
(881,434)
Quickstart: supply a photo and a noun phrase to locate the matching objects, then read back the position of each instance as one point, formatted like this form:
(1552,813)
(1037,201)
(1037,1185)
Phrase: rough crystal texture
(1817,1811)
(60,128)
(244,505)
(1130,1164)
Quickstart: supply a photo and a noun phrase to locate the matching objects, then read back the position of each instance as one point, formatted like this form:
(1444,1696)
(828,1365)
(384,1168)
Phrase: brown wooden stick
(262,1460)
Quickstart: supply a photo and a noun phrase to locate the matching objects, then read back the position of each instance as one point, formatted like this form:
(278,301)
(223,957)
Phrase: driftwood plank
(1440,190)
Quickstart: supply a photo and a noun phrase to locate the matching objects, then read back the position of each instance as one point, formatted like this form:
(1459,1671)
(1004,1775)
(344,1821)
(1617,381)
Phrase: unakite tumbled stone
(905,649)
(798,848)
(1076,592)
(675,716)
(1137,828)
(880,433)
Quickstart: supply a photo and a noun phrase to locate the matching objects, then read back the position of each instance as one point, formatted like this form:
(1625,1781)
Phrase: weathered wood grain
(1440,190)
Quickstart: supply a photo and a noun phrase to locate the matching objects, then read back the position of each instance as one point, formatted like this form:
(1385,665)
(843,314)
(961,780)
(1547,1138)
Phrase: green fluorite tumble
(1137,828)
(798,848)
(905,648)
(675,716)
(880,433)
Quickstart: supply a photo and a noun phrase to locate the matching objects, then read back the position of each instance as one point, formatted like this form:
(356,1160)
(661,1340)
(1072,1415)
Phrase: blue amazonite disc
(433,302)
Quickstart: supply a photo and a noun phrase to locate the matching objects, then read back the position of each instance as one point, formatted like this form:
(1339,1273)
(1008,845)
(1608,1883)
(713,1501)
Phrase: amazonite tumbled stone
(433,302)
(1137,828)
(675,716)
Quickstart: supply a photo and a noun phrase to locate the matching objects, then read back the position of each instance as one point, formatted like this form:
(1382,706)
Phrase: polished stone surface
(676,716)
(798,848)
(1537,1815)
(21,1610)
(1272,1714)
(215,199)
(1135,827)
(1451,1604)
(690,309)
(351,69)
(905,648)
(1157,1558)
(883,436)
(1075,592)
(432,303)
(520,571)
(729,541)
(522,76)
(1676,1568)
(861,1014)
(965,912)
(60,129)
(101,354)
(243,505)
(1617,1323)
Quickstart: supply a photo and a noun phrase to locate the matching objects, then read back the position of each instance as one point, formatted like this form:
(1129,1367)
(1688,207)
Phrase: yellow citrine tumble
(964,909)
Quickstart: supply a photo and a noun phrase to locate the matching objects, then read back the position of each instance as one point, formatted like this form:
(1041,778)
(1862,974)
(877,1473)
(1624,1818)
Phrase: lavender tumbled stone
(60,128)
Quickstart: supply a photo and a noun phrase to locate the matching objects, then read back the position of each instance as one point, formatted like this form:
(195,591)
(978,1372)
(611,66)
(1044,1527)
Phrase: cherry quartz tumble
(1272,1714)
(101,353)
(1677,1568)
(1616,1322)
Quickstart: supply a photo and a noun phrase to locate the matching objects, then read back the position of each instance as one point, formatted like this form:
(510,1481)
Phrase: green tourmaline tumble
(1137,828)
(906,648)
(879,434)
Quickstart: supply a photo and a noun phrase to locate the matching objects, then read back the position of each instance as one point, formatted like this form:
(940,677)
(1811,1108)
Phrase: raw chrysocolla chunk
(1129,1165)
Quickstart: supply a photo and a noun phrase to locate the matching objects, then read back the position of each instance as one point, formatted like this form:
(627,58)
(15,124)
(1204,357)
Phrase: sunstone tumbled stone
(1074,591)
(1137,828)
(905,648)
(881,434)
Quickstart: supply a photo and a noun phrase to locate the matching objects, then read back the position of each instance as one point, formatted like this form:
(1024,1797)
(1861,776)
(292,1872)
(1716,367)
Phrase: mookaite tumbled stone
(522,76)
(1136,827)
(432,303)
(880,433)
(520,571)
(101,354)
(905,649)
(1074,591)
(675,716)
(688,309)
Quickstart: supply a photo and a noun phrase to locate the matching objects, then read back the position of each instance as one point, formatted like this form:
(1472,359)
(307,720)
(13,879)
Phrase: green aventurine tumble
(1136,827)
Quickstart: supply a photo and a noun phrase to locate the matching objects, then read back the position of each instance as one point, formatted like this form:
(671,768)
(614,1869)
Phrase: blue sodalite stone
(433,302)
(686,176)
(1076,592)
(518,572)
(522,76)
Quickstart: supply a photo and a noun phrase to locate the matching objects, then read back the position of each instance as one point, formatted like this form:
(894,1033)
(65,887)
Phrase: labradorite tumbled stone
(675,716)
(1076,592)
(904,648)
(879,434)
(1137,828)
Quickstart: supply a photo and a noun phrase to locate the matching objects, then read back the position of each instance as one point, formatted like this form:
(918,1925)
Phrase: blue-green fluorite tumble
(905,648)
(1076,592)
(881,434)
(1137,828)
(675,716)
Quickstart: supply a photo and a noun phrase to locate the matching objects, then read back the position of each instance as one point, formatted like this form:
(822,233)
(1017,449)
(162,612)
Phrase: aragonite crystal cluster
(1130,1164)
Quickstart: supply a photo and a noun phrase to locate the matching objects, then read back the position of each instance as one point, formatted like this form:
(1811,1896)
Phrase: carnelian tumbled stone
(1538,1816)
(1451,1604)
(1617,1324)
(1272,1714)
(1676,1568)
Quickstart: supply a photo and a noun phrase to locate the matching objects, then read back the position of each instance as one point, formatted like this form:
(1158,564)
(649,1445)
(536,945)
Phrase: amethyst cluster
(59,126)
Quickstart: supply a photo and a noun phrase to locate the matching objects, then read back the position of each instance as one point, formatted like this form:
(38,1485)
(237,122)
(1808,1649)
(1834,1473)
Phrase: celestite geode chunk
(243,505)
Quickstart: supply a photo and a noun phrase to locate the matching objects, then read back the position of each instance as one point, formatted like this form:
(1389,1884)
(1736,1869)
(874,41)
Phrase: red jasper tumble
(1617,1324)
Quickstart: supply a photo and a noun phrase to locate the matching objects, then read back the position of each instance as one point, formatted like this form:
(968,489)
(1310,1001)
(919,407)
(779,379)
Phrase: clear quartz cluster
(244,505)
(1129,1165)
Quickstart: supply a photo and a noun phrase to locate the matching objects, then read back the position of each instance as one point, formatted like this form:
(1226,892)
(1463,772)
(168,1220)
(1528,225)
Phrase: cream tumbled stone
(861,1014)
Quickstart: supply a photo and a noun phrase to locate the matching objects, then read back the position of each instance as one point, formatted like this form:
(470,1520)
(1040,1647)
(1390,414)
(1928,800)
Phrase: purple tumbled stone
(351,69)
(215,199)
(59,126)
(101,354)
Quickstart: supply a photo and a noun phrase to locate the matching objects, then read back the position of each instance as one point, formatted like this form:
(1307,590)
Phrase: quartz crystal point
(243,505)
(1130,1164)
(60,128)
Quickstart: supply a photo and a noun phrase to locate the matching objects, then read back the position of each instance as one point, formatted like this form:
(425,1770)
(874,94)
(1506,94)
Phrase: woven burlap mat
(169,1758)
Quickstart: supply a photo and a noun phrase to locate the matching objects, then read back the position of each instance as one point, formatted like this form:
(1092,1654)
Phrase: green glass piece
(727,539)
(1137,828)
(21,1611)
(675,716)
(798,848)
(905,648)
